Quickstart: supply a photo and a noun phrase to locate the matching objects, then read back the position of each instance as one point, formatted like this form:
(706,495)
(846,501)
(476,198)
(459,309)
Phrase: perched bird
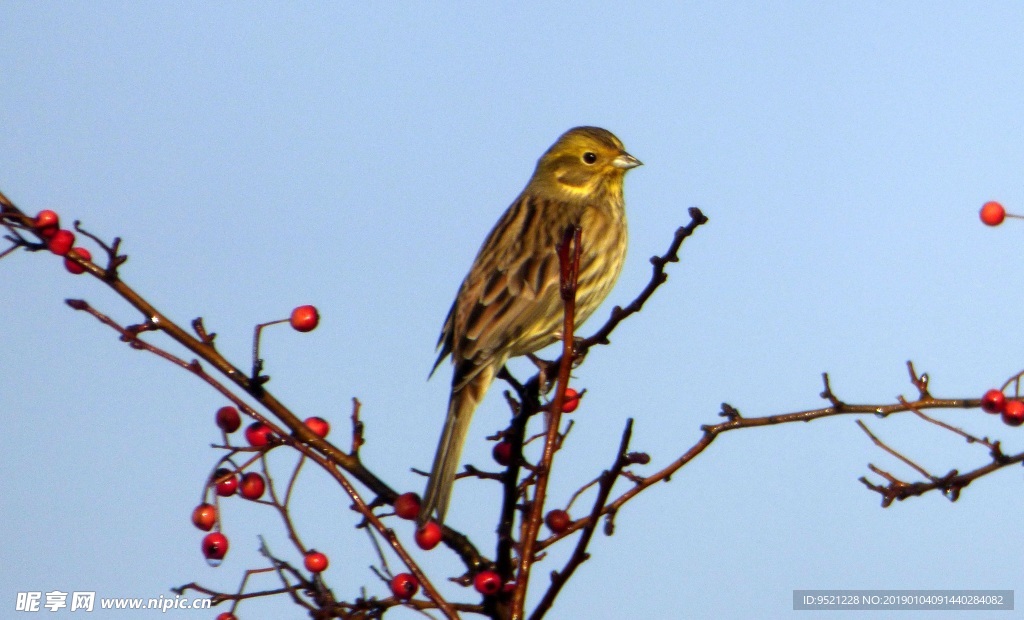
(509,304)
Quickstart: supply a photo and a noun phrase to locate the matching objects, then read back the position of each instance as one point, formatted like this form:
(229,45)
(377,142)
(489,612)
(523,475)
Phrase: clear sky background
(255,157)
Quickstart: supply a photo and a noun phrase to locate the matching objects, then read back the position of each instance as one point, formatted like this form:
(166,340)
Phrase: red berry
(315,562)
(502,453)
(227,615)
(46,223)
(252,486)
(558,521)
(572,400)
(407,506)
(993,213)
(215,546)
(487,582)
(228,419)
(61,242)
(404,586)
(305,318)
(74,267)
(226,482)
(1013,413)
(204,516)
(994,401)
(428,536)
(319,426)
(258,434)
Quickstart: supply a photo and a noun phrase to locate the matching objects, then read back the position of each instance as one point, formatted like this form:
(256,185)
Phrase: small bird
(510,304)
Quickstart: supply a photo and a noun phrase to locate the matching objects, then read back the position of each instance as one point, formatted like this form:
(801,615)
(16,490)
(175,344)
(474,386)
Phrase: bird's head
(584,162)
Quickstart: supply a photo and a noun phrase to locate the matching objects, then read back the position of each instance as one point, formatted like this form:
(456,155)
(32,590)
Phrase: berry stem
(257,363)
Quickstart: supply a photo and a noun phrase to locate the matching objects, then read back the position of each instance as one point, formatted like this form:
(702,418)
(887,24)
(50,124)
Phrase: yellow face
(583,162)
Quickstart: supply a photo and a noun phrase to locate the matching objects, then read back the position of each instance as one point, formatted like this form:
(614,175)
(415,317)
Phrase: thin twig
(658,277)
(881,444)
(357,428)
(993,447)
(581,490)
(580,555)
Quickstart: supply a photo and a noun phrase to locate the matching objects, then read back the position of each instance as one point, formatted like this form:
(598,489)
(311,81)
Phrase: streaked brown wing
(506,302)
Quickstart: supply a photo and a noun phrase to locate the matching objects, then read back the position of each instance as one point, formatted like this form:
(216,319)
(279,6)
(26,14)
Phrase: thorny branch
(525,404)
(734,420)
(332,459)
(950,484)
(206,350)
(329,466)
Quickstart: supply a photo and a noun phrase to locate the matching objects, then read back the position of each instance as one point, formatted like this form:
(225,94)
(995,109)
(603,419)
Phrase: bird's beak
(626,161)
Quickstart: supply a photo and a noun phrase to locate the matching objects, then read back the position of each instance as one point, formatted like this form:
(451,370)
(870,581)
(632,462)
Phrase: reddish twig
(569,263)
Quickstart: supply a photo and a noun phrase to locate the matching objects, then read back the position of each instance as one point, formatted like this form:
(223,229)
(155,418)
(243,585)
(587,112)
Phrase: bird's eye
(589,158)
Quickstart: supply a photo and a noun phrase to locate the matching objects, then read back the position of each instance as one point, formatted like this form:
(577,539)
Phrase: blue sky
(255,157)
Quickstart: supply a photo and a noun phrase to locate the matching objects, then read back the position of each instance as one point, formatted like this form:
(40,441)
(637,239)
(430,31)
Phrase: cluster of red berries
(407,505)
(59,241)
(487,582)
(215,544)
(250,485)
(1012,411)
(259,434)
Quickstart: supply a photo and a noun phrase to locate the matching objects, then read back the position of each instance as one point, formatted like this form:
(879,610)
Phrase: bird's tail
(463,402)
